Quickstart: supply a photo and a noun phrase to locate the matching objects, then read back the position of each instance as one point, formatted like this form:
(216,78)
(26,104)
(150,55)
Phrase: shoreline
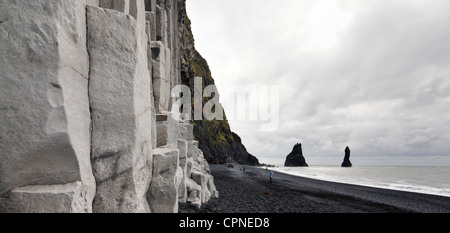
(251,192)
(414,188)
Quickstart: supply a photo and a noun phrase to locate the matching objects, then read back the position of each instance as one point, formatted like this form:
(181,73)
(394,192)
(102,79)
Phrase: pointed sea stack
(347,162)
(295,158)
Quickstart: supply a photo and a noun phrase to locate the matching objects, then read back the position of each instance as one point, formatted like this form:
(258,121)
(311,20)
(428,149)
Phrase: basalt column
(121,111)
(44,134)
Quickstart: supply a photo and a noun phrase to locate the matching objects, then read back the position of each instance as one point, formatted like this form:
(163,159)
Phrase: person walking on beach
(271,175)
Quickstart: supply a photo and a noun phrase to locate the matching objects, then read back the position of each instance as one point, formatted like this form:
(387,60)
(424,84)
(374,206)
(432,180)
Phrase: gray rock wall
(120,111)
(44,134)
(82,85)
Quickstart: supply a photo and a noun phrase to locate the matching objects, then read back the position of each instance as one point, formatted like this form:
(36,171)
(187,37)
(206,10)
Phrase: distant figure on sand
(270,176)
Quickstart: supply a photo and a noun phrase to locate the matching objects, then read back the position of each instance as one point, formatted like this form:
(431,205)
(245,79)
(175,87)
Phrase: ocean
(429,180)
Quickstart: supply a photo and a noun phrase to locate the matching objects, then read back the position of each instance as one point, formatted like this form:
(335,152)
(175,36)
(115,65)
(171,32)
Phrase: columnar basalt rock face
(46,199)
(93,2)
(186,131)
(200,185)
(150,5)
(120,108)
(167,130)
(44,134)
(151,19)
(118,5)
(161,87)
(182,171)
(163,192)
(86,121)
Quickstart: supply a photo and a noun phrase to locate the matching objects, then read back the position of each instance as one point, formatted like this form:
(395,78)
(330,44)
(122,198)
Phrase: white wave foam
(411,179)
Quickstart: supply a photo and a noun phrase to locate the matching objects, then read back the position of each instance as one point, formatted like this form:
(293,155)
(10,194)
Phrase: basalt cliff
(86,109)
(218,143)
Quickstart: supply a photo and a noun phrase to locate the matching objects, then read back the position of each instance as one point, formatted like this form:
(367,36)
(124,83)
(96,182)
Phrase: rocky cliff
(86,112)
(218,143)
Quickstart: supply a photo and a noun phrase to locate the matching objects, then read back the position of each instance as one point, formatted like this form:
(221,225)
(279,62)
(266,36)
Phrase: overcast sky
(373,75)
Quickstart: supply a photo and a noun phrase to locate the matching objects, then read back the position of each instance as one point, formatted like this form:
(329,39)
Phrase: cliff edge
(218,143)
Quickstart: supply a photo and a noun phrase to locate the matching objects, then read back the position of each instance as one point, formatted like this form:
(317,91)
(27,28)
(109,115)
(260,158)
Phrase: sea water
(429,180)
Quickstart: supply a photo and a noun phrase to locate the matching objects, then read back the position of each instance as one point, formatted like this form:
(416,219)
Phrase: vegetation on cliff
(218,143)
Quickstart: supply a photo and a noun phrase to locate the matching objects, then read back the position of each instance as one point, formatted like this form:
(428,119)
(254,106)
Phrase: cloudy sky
(373,75)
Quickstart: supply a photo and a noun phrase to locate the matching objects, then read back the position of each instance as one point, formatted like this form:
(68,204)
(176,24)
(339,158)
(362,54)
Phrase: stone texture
(168,74)
(201,180)
(137,10)
(118,5)
(44,134)
(151,18)
(167,130)
(161,25)
(152,98)
(194,193)
(172,43)
(144,64)
(121,115)
(189,164)
(93,2)
(186,131)
(163,194)
(183,147)
(161,82)
(150,5)
(66,198)
(193,151)
(153,128)
(182,192)
(212,187)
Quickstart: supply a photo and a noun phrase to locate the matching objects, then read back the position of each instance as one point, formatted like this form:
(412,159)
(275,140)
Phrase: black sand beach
(251,192)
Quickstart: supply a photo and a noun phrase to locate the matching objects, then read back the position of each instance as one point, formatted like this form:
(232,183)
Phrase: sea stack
(295,158)
(347,162)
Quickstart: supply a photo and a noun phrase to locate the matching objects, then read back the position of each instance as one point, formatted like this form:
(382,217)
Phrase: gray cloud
(370,74)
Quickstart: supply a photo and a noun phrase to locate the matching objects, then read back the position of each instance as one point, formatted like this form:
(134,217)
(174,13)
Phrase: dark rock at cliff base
(347,162)
(295,158)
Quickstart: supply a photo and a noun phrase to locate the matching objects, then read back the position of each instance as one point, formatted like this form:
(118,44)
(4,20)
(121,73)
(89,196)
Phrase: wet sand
(251,192)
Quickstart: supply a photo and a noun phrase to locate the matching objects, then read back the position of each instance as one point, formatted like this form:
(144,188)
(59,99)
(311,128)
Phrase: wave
(426,180)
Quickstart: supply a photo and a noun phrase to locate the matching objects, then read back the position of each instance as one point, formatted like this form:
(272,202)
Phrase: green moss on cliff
(218,143)
(199,70)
